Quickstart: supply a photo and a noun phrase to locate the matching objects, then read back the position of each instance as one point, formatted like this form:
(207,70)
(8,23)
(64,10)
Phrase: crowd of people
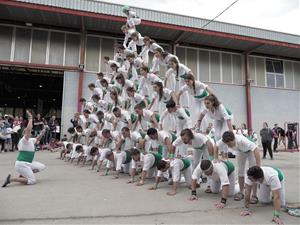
(171,127)
(12,127)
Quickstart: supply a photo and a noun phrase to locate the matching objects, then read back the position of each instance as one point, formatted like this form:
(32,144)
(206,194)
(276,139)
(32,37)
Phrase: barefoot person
(25,165)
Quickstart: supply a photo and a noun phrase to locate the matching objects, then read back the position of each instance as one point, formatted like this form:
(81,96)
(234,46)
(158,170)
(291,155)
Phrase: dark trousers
(275,144)
(267,146)
(15,140)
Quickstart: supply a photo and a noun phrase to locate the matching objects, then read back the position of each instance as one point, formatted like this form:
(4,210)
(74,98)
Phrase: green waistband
(128,157)
(203,95)
(186,164)
(26,156)
(280,174)
(158,158)
(230,166)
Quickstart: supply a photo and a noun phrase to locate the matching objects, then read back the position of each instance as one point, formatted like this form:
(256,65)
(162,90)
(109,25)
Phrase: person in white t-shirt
(118,160)
(25,165)
(95,91)
(148,161)
(176,167)
(146,81)
(271,188)
(221,176)
(132,19)
(122,118)
(245,150)
(221,116)
(129,140)
(145,118)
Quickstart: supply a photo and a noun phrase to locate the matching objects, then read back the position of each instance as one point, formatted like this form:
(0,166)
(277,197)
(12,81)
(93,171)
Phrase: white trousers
(241,161)
(264,193)
(26,169)
(216,185)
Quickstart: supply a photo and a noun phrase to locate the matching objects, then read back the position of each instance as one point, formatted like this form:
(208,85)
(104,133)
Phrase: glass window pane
(269,66)
(278,67)
(279,81)
(270,80)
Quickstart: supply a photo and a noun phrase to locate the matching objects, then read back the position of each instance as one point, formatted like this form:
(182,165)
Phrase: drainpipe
(81,62)
(248,90)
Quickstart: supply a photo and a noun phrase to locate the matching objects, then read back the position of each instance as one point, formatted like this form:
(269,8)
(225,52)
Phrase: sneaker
(7,181)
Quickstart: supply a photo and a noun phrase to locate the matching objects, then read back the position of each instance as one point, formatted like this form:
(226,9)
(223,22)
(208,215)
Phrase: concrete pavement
(67,194)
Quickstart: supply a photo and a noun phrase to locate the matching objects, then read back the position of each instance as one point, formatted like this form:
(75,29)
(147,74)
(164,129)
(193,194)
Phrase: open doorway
(39,90)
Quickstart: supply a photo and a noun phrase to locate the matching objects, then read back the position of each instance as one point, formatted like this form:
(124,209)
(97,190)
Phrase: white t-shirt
(271,178)
(166,96)
(199,88)
(146,160)
(27,145)
(176,165)
(219,114)
(242,144)
(198,141)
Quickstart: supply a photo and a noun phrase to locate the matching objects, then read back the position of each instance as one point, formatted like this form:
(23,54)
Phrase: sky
(277,15)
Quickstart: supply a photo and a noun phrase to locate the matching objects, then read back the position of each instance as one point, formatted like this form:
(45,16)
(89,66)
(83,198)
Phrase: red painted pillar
(81,62)
(248,91)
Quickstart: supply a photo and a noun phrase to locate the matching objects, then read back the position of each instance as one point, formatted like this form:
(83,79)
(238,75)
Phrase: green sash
(26,156)
(157,117)
(187,113)
(202,96)
(142,103)
(280,174)
(183,76)
(186,164)
(128,157)
(230,166)
(174,136)
(228,111)
(158,158)
(133,117)
(160,149)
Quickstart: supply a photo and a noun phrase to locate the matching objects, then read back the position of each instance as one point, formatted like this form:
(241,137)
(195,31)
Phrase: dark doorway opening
(39,90)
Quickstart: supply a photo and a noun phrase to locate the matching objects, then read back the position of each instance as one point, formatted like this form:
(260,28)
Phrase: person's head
(130,57)
(114,95)
(126,9)
(229,139)
(114,66)
(144,70)
(93,151)
(100,76)
(109,156)
(171,106)
(265,125)
(105,59)
(210,125)
(91,86)
(255,174)
(163,165)
(207,167)
(211,102)
(53,117)
(125,132)
(250,131)
(135,36)
(130,92)
(152,133)
(86,113)
(275,125)
(138,109)
(71,130)
(158,52)
(120,79)
(148,41)
(79,129)
(95,98)
(189,80)
(136,155)
(106,133)
(173,63)
(243,126)
(82,101)
(69,146)
(117,112)
(100,115)
(38,116)
(186,136)
(104,83)
(79,149)
(158,86)
(124,29)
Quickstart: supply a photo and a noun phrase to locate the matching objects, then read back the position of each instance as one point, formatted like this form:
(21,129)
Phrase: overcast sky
(279,15)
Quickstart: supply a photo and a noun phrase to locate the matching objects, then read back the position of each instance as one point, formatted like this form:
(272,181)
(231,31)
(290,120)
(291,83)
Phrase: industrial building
(51,50)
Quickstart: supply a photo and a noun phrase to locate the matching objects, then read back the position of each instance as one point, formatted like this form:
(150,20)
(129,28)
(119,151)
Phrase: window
(274,73)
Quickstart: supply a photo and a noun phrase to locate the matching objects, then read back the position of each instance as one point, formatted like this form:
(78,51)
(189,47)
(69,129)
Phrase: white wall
(274,106)
(233,97)
(69,102)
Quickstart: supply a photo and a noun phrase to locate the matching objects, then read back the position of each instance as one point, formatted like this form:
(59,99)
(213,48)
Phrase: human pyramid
(139,123)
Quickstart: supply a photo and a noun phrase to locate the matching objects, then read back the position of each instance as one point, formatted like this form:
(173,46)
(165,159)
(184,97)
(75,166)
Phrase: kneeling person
(176,167)
(221,175)
(118,159)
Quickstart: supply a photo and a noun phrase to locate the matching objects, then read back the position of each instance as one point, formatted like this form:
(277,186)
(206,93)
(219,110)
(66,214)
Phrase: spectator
(295,139)
(16,126)
(38,125)
(75,120)
(266,139)
(252,136)
(52,126)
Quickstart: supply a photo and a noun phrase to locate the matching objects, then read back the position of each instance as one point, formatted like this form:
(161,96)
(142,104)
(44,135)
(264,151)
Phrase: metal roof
(106,19)
(169,18)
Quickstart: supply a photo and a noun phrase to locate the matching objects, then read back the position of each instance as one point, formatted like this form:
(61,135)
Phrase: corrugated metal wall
(164,17)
